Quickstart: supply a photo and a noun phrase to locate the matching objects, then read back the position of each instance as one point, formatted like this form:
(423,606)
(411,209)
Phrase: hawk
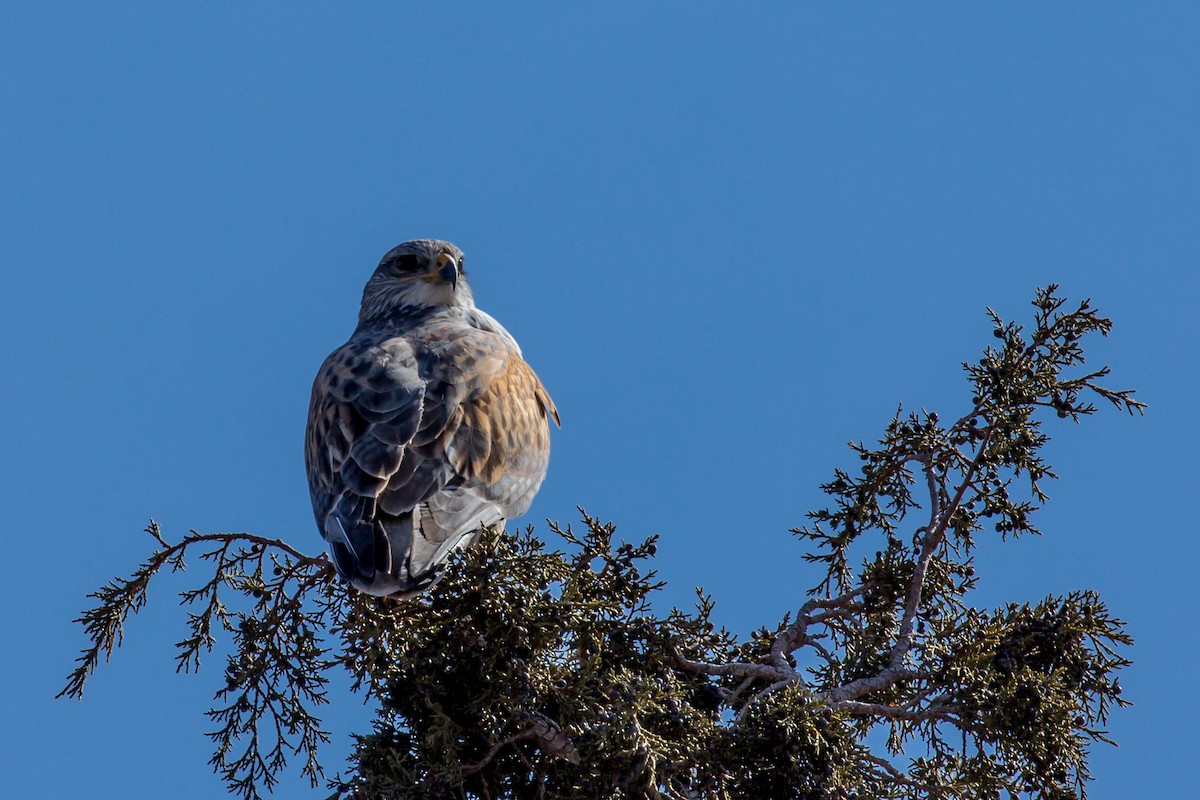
(424,427)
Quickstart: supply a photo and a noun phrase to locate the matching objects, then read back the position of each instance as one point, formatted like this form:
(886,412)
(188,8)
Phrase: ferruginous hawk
(425,426)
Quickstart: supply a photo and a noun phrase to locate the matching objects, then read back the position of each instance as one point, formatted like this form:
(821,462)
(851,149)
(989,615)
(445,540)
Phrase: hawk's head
(423,273)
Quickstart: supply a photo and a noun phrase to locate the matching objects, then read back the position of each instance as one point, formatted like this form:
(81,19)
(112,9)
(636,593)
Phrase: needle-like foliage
(542,669)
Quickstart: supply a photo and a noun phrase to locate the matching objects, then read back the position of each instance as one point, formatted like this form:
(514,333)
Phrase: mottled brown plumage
(425,426)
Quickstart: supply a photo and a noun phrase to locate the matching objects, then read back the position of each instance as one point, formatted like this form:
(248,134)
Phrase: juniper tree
(540,667)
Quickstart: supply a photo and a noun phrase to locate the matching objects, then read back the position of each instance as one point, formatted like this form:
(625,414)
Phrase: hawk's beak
(448,271)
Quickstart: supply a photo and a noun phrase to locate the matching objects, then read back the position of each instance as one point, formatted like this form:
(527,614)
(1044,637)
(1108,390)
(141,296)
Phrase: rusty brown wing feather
(502,443)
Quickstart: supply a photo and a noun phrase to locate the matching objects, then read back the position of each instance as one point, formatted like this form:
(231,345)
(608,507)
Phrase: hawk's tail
(399,556)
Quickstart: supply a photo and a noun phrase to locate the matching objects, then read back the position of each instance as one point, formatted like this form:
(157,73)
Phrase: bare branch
(796,634)
(859,708)
(763,671)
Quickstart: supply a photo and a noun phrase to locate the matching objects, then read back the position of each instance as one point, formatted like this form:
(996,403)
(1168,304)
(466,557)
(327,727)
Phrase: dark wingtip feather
(349,568)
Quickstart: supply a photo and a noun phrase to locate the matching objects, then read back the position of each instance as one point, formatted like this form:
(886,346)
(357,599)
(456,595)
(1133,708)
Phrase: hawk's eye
(407,263)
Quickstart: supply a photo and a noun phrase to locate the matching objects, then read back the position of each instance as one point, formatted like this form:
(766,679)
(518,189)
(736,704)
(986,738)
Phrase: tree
(542,670)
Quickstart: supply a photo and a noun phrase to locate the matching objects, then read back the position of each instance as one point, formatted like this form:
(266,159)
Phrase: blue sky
(728,240)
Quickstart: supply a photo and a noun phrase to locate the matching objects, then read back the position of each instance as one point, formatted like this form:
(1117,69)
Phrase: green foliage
(536,672)
(526,664)
(276,678)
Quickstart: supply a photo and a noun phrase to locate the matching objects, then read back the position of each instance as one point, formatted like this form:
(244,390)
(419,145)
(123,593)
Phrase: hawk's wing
(417,441)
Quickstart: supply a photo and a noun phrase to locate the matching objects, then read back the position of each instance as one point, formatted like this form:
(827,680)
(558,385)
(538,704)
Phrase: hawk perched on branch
(424,427)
